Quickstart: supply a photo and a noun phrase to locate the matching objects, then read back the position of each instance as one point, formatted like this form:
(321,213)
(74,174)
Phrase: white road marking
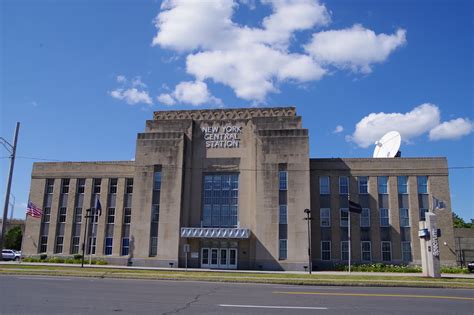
(44,278)
(277,307)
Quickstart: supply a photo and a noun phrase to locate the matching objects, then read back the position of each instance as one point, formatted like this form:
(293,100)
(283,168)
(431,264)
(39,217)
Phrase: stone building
(227,188)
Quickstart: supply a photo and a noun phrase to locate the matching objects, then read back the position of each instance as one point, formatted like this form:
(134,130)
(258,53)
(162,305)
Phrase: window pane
(344,217)
(363,184)
(422,184)
(402,184)
(343,185)
(382,182)
(324,185)
(220,199)
(325,217)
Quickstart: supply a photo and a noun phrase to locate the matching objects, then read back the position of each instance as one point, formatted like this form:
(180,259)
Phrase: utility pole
(309,218)
(12,150)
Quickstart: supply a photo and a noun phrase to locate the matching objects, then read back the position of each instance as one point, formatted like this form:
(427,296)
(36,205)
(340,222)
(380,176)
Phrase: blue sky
(83,76)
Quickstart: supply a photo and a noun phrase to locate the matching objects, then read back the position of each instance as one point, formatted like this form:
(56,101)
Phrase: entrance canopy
(236,233)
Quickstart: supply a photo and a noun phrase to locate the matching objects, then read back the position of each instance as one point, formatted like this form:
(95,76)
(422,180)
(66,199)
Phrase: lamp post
(84,241)
(309,218)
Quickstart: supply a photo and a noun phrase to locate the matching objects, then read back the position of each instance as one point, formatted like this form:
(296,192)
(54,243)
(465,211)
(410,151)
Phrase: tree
(13,238)
(458,222)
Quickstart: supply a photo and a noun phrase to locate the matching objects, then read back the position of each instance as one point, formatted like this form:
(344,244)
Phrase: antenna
(388,146)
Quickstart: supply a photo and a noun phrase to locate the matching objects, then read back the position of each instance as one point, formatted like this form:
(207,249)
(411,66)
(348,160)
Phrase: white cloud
(452,129)
(132,96)
(255,61)
(338,129)
(193,93)
(355,48)
(121,79)
(131,92)
(166,99)
(418,121)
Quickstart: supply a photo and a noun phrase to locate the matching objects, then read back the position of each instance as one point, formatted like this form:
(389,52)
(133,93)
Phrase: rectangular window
(404,218)
(157,181)
(344,217)
(283,214)
(363,184)
(127,215)
(46,214)
(125,246)
(153,246)
(75,245)
(343,185)
(92,246)
(382,183)
(43,244)
(384,217)
(129,185)
(386,251)
(365,217)
(402,184)
(62,215)
(49,185)
(155,213)
(423,214)
(81,185)
(113,186)
(406,251)
(110,215)
(283,252)
(325,250)
(78,215)
(422,184)
(220,200)
(96,185)
(345,250)
(324,185)
(325,217)
(65,186)
(283,179)
(365,251)
(59,245)
(108,245)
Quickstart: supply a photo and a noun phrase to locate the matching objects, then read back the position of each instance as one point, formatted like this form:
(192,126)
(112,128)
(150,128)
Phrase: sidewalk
(337,273)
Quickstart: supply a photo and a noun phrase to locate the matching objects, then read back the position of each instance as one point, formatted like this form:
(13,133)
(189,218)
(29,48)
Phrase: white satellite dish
(388,145)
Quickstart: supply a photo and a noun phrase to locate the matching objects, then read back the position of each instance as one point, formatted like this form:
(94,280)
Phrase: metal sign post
(186,249)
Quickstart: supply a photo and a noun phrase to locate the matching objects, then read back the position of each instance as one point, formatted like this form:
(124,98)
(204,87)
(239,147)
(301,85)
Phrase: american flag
(33,210)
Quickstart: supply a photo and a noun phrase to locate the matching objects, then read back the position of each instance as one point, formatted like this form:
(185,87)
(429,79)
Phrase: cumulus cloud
(132,92)
(418,121)
(254,61)
(188,92)
(421,120)
(355,48)
(132,96)
(453,129)
(338,129)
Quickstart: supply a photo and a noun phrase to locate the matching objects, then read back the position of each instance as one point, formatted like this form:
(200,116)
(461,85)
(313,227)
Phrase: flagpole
(92,238)
(23,238)
(349,228)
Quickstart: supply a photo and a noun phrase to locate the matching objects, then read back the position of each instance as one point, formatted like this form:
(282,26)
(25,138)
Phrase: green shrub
(78,256)
(70,261)
(446,269)
(43,256)
(100,262)
(56,260)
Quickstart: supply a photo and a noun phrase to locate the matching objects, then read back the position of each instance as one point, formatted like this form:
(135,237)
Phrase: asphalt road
(61,295)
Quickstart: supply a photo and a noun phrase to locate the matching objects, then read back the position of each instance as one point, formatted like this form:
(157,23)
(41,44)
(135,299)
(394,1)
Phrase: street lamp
(309,218)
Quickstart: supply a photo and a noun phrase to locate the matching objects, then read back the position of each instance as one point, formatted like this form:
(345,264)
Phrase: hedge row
(379,267)
(60,260)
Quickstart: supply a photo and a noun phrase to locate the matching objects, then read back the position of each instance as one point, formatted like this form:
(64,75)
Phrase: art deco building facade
(227,188)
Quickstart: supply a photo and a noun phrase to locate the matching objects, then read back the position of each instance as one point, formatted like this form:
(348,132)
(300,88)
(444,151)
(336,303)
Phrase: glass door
(214,258)
(205,258)
(232,258)
(223,258)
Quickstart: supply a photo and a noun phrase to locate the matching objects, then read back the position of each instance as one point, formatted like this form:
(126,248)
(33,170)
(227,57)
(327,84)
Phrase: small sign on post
(186,249)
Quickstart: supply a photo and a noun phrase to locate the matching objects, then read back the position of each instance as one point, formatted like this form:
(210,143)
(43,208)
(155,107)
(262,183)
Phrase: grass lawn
(296,279)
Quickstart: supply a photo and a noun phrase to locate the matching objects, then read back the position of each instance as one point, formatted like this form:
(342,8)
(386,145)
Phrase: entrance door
(205,258)
(232,258)
(223,259)
(214,258)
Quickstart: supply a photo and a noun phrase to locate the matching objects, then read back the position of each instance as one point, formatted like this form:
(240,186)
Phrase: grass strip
(294,279)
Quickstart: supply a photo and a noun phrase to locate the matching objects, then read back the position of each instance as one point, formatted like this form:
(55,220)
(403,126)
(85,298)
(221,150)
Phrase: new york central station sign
(222,136)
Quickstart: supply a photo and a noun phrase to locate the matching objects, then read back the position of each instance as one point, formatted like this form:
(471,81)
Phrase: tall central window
(221,192)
